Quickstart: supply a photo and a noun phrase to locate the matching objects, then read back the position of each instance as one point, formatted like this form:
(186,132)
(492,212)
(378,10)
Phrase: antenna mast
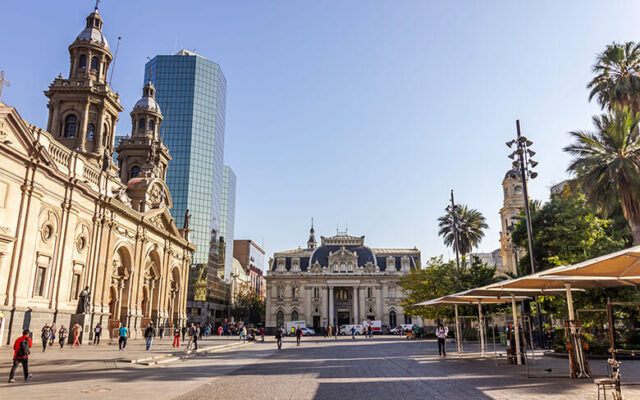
(115,55)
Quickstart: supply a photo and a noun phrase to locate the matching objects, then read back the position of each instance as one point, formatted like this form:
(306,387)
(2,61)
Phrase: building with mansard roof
(71,220)
(341,281)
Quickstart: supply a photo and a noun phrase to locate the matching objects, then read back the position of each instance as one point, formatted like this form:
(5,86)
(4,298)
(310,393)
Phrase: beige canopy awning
(469,299)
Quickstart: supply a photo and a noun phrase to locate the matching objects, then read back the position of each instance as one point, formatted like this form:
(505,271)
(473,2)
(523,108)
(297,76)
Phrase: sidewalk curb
(166,358)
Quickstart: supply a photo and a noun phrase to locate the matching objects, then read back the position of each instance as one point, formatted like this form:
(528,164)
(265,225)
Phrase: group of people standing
(49,334)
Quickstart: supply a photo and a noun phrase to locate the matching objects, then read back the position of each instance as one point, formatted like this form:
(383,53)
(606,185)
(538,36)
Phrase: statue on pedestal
(83,302)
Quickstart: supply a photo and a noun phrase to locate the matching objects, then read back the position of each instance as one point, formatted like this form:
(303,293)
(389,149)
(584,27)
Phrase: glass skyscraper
(191,92)
(227,216)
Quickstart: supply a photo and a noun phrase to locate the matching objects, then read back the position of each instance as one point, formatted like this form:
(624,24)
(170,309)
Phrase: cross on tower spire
(2,83)
(97,2)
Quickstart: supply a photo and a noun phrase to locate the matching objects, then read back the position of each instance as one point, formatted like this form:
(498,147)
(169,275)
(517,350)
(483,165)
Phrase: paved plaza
(384,367)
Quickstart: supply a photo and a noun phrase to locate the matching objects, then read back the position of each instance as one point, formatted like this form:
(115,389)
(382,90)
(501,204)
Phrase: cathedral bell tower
(143,154)
(83,110)
(513,204)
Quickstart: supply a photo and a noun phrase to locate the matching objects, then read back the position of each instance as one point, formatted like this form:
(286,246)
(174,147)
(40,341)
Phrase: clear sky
(358,113)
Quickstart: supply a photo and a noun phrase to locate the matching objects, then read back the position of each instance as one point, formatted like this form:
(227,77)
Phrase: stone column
(81,139)
(379,301)
(97,140)
(355,304)
(330,305)
(307,306)
(152,285)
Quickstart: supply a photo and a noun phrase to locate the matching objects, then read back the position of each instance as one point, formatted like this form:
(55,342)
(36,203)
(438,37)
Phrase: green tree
(567,231)
(470,224)
(440,278)
(248,307)
(606,165)
(617,80)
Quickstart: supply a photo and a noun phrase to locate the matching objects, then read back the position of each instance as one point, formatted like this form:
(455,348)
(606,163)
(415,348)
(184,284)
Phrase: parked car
(307,331)
(396,331)
(346,329)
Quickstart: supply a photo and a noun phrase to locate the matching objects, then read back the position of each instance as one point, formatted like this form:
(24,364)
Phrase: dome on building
(93,31)
(148,99)
(148,103)
(512,173)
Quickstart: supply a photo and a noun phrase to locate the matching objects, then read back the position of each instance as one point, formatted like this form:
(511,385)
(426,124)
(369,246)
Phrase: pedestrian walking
(161,332)
(329,331)
(184,333)
(196,335)
(52,335)
(353,332)
(149,334)
(97,331)
(123,334)
(46,335)
(279,335)
(191,333)
(441,334)
(21,351)
(77,329)
(336,331)
(298,336)
(176,337)
(262,334)
(62,336)
(243,334)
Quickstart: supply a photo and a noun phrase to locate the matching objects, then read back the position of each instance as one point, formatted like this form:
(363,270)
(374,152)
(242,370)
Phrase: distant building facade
(512,206)
(342,281)
(191,91)
(228,215)
(71,219)
(493,259)
(208,293)
(251,257)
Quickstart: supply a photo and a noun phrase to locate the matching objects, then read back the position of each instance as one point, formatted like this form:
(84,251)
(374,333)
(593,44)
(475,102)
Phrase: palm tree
(617,80)
(470,225)
(606,164)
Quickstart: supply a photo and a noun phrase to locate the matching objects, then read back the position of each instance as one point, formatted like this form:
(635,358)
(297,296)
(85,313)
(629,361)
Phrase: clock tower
(512,205)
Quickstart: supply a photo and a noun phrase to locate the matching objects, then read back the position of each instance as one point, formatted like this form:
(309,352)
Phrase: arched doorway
(279,319)
(120,284)
(150,289)
(392,319)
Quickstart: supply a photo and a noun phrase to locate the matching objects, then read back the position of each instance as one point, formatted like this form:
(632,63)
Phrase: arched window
(392,318)
(135,171)
(82,63)
(142,124)
(70,126)
(94,63)
(294,316)
(91,132)
(280,319)
(152,125)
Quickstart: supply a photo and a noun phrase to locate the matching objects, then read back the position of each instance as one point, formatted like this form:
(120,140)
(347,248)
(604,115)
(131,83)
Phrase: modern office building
(227,215)
(191,92)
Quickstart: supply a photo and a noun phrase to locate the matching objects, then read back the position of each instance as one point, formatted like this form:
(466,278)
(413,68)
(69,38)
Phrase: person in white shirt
(441,333)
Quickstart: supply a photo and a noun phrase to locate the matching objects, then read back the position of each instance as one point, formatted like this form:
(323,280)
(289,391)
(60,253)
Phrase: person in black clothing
(298,336)
(279,337)
(149,334)
(96,333)
(184,332)
(197,335)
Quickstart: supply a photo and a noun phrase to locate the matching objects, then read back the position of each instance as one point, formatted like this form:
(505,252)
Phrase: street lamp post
(524,164)
(455,228)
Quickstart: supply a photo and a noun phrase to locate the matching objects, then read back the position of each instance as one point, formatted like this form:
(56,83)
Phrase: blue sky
(358,113)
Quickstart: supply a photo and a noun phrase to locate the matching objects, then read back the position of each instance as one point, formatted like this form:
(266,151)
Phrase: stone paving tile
(319,369)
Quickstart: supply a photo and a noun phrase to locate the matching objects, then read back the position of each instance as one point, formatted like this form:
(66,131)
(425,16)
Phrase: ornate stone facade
(68,220)
(340,282)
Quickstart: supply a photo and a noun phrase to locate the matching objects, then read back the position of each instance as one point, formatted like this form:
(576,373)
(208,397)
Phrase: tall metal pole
(455,228)
(525,192)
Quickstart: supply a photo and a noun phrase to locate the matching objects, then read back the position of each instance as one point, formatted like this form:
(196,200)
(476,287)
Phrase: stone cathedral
(81,239)
(342,281)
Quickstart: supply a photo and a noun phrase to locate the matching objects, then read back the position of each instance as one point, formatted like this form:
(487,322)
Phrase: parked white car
(346,329)
(307,331)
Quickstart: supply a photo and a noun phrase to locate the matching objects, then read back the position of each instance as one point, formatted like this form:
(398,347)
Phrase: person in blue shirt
(123,333)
